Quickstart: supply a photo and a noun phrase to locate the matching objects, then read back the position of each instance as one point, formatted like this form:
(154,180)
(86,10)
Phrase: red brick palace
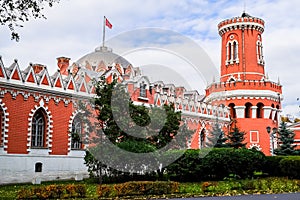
(38,110)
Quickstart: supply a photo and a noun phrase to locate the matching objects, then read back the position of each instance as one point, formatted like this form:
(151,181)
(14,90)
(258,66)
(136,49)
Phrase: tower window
(248,110)
(259,52)
(38,129)
(235,50)
(232,51)
(259,111)
(232,110)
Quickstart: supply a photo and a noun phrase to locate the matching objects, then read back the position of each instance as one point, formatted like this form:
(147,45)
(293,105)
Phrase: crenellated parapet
(244,85)
(244,22)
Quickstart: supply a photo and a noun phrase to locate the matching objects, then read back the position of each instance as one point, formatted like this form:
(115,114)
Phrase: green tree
(286,138)
(162,123)
(134,128)
(13,13)
(217,137)
(236,138)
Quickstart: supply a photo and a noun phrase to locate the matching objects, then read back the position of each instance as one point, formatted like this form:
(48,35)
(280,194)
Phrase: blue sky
(74,28)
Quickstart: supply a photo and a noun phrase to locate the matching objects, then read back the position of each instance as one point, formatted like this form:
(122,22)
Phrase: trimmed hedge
(272,167)
(135,188)
(53,192)
(223,162)
(219,163)
(290,166)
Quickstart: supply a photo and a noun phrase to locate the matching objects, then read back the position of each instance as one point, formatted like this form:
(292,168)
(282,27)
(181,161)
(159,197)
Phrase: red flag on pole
(107,23)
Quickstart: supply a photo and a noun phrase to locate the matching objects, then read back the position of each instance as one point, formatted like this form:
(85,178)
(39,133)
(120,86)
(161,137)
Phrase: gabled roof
(2,69)
(44,78)
(14,72)
(57,80)
(29,75)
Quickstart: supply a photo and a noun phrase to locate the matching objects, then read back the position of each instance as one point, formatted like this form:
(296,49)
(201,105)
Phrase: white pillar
(240,111)
(267,111)
(254,110)
(273,113)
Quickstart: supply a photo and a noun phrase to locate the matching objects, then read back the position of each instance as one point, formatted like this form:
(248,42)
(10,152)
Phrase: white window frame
(257,136)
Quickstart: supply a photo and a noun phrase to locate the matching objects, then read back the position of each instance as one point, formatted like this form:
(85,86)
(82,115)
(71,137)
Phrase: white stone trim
(257,135)
(247,73)
(254,111)
(257,146)
(232,50)
(242,93)
(240,111)
(267,111)
(235,25)
(84,133)
(5,126)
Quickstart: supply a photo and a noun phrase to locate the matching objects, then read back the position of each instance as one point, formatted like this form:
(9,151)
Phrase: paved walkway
(293,196)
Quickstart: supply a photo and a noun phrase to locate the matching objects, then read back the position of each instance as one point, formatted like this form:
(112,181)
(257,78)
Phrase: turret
(253,100)
(242,49)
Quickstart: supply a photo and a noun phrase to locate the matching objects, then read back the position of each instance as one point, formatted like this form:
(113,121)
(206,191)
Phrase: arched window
(259,111)
(232,52)
(232,110)
(202,138)
(38,129)
(76,141)
(248,110)
(143,92)
(235,50)
(259,51)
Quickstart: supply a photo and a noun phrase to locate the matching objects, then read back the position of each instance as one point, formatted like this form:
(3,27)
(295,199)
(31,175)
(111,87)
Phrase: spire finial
(244,6)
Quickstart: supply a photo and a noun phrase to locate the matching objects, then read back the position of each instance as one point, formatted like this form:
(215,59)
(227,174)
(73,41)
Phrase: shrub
(105,191)
(52,192)
(138,188)
(290,166)
(271,165)
(146,187)
(187,168)
(225,162)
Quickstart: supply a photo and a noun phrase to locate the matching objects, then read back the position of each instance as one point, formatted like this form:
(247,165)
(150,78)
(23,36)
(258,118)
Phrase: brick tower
(254,101)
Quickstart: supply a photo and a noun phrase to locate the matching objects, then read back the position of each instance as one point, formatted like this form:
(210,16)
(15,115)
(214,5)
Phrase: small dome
(105,55)
(245,15)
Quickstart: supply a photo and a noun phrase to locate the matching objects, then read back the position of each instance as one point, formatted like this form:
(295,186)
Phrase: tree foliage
(236,138)
(120,124)
(217,137)
(133,128)
(286,138)
(13,13)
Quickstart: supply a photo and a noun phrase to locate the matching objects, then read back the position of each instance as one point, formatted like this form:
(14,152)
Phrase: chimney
(63,64)
(37,68)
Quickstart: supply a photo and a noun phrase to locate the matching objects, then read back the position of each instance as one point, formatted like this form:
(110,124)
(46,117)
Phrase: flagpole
(103,39)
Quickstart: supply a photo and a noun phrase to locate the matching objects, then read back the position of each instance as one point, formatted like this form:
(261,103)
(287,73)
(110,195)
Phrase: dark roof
(246,15)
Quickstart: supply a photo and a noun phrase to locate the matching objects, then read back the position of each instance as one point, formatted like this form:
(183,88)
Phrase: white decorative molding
(233,94)
(4,125)
(256,146)
(252,133)
(240,111)
(267,111)
(254,111)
